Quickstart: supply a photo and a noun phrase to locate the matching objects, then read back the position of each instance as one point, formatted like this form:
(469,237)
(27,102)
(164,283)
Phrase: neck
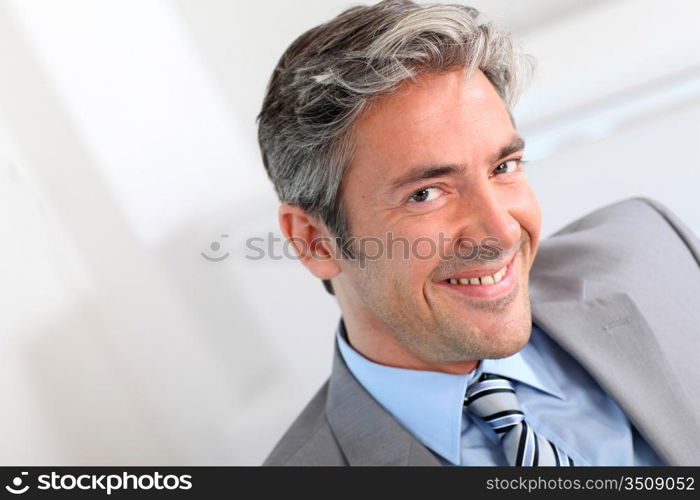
(376,342)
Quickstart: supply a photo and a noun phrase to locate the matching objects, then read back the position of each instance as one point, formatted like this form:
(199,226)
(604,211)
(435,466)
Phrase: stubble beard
(436,335)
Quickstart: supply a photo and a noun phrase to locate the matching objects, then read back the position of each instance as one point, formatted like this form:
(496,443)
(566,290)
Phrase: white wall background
(127,147)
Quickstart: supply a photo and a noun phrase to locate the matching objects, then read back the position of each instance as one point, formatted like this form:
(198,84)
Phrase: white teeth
(484,280)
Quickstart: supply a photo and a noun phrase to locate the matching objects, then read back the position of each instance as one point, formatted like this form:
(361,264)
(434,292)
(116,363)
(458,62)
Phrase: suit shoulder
(630,213)
(633,226)
(611,247)
(309,440)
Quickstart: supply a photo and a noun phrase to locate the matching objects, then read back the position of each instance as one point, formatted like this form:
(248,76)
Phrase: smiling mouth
(489,279)
(482,279)
(500,289)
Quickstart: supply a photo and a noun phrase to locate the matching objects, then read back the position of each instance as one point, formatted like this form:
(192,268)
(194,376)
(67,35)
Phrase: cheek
(529,215)
(424,248)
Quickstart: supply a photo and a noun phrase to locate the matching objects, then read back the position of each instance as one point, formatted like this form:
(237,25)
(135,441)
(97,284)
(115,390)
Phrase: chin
(512,343)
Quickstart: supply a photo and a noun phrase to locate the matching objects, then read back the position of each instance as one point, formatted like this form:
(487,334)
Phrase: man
(388,137)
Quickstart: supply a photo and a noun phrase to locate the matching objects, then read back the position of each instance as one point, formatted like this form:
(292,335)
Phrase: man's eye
(503,167)
(425,194)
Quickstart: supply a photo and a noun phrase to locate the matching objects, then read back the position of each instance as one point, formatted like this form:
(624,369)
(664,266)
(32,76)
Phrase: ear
(311,240)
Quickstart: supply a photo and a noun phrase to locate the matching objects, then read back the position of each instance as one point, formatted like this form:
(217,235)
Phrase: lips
(489,279)
(480,276)
(487,287)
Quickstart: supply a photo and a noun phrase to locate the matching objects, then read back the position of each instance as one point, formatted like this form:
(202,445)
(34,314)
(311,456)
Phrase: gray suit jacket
(619,289)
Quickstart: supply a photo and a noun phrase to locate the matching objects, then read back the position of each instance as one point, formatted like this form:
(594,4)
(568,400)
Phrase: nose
(487,217)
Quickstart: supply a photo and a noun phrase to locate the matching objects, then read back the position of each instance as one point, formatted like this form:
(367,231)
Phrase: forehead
(442,117)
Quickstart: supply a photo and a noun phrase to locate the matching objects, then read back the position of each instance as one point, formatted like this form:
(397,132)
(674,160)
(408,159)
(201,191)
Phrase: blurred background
(134,326)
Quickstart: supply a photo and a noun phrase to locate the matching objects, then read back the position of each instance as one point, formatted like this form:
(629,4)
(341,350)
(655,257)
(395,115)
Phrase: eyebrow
(425,172)
(515,145)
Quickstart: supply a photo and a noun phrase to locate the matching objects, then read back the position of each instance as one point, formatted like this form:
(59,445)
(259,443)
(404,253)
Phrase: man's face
(438,161)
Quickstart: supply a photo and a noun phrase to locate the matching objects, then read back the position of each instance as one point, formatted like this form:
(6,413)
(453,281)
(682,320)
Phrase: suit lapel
(611,338)
(366,432)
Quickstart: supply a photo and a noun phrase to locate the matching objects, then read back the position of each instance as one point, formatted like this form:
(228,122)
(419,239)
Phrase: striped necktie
(493,398)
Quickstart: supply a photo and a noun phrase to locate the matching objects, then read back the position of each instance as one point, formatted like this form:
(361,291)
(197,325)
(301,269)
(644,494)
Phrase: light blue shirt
(559,398)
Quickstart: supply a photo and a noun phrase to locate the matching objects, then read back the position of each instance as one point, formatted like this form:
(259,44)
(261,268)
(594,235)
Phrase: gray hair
(331,73)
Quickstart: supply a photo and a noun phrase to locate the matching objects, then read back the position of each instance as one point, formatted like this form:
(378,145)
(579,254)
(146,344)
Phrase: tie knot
(492,398)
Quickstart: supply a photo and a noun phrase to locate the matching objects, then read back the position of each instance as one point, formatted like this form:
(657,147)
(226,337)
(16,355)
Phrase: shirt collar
(429,404)
(526,366)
